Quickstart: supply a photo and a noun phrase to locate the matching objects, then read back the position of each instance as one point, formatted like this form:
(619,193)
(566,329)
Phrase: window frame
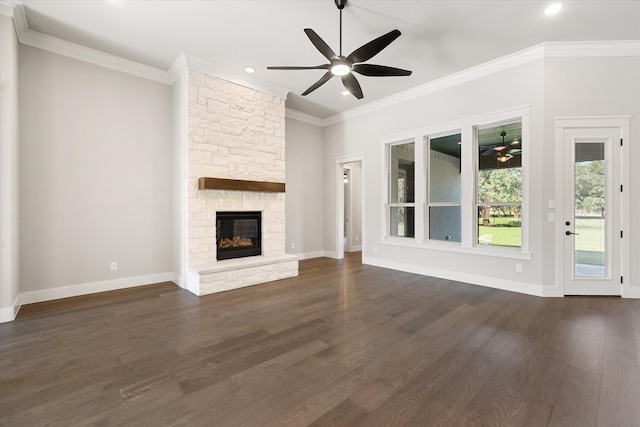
(468,190)
(428,203)
(389,204)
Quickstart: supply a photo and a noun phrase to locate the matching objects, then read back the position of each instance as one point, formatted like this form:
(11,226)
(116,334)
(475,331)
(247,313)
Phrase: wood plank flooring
(340,345)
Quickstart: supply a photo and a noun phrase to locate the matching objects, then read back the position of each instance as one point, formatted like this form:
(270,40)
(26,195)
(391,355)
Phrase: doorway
(591,209)
(349,204)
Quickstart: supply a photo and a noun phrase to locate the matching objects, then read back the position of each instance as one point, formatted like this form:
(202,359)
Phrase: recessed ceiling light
(553,9)
(250,70)
(346,92)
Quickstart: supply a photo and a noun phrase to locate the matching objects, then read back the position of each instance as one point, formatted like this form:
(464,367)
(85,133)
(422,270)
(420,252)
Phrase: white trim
(473,279)
(591,49)
(621,122)
(631,292)
(303,117)
(356,248)
(331,254)
(8,314)
(91,288)
(62,47)
(232,76)
(450,247)
(310,255)
(466,127)
(6,8)
(544,50)
(339,230)
(175,278)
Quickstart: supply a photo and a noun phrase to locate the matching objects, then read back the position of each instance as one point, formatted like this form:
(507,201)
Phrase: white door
(592,223)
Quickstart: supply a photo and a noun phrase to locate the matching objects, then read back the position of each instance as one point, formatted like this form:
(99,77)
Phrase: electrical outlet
(114,266)
(552,217)
(375,249)
(357,238)
(293,245)
(518,268)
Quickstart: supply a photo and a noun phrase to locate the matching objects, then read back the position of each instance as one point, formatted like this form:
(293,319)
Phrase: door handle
(569,233)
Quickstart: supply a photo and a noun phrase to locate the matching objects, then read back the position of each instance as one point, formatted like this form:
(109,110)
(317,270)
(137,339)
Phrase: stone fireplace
(235,162)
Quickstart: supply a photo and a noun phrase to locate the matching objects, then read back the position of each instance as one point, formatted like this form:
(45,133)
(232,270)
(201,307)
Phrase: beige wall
(94,171)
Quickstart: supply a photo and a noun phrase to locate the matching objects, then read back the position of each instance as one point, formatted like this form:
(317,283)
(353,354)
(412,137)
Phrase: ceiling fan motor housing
(340,3)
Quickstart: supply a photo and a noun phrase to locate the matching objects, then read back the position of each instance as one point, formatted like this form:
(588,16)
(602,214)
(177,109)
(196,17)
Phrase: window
(444,186)
(402,190)
(499,184)
(460,186)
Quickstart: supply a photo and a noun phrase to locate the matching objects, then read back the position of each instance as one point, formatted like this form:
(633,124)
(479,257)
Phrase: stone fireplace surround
(233,132)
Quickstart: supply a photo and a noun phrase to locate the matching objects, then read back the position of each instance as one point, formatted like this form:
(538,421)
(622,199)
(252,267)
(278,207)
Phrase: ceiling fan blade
(317,67)
(488,151)
(320,44)
(379,70)
(371,49)
(319,83)
(351,84)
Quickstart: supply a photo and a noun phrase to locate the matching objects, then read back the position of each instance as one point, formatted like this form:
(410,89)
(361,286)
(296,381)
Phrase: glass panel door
(592,261)
(589,210)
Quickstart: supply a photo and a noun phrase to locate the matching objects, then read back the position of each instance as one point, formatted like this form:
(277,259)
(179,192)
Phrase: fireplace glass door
(238,234)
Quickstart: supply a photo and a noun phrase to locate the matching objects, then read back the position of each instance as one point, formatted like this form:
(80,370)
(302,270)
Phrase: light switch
(552,204)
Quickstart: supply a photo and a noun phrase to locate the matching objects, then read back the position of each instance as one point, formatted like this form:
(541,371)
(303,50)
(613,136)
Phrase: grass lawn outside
(501,232)
(589,240)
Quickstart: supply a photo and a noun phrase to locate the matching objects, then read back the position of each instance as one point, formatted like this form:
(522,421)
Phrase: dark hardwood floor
(342,344)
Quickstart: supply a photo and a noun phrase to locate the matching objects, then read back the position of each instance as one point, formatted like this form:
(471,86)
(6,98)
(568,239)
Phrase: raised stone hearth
(235,134)
(240,272)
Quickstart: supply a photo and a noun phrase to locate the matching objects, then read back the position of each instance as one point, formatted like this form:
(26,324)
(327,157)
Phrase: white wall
(9,289)
(518,86)
(550,87)
(304,189)
(178,179)
(95,176)
(596,87)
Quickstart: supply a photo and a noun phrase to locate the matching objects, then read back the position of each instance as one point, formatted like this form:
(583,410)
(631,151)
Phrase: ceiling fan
(504,151)
(344,66)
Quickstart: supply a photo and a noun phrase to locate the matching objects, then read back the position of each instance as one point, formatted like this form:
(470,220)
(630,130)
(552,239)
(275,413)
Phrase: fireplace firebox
(238,234)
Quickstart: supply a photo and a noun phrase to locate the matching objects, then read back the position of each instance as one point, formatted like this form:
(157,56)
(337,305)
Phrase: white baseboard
(490,282)
(91,288)
(631,292)
(176,279)
(330,254)
(309,255)
(355,248)
(8,314)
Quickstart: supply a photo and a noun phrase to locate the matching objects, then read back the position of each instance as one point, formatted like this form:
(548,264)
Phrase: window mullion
(467,195)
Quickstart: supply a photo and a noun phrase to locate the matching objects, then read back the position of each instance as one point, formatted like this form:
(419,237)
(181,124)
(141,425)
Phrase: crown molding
(6,8)
(226,74)
(544,50)
(82,53)
(303,117)
(592,49)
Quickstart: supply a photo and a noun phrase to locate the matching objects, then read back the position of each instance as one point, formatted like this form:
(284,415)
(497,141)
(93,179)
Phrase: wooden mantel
(240,185)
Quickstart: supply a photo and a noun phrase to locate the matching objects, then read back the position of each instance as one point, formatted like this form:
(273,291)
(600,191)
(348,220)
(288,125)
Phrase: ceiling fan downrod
(340,4)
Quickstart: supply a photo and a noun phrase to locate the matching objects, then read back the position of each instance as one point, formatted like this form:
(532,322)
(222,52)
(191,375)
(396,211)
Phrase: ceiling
(438,37)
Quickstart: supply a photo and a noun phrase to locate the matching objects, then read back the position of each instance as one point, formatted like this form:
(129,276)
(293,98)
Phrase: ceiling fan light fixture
(515,142)
(553,9)
(340,70)
(503,158)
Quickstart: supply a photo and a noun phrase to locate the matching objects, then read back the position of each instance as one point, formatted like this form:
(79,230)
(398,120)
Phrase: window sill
(454,247)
